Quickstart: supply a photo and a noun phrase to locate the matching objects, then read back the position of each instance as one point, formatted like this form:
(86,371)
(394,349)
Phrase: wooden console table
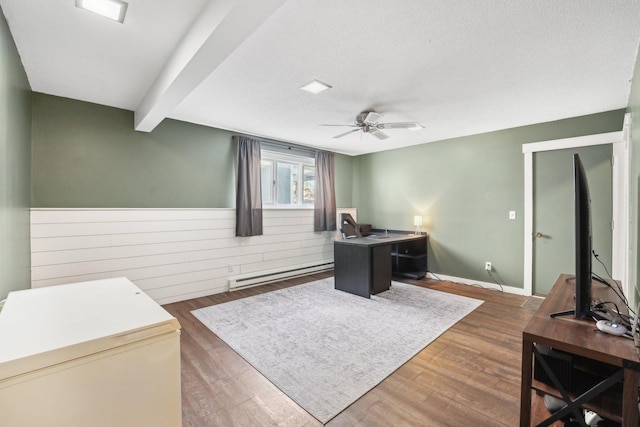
(580,338)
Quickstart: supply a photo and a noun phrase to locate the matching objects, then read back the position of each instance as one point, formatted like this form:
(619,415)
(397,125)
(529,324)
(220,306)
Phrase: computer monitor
(582,243)
(582,240)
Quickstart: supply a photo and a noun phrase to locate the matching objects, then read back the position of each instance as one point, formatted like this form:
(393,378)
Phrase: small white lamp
(417,222)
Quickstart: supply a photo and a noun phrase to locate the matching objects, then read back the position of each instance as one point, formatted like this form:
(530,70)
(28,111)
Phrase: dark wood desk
(578,337)
(363,265)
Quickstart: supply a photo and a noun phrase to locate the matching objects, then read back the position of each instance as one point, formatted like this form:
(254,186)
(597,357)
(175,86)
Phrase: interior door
(553,212)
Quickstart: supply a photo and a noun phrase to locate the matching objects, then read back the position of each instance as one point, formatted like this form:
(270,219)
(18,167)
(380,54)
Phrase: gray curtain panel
(324,218)
(248,188)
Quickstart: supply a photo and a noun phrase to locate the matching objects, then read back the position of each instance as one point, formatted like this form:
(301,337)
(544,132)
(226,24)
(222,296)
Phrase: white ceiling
(457,67)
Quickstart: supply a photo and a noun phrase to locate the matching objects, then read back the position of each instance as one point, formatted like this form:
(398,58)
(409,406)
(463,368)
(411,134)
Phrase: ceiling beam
(219,30)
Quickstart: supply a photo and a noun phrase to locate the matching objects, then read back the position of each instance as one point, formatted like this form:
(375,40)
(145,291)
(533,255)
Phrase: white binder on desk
(99,353)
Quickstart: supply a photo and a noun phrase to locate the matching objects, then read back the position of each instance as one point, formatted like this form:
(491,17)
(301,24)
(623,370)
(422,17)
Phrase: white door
(553,217)
(620,204)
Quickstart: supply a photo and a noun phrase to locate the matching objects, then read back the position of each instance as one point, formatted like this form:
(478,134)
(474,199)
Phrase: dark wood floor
(469,376)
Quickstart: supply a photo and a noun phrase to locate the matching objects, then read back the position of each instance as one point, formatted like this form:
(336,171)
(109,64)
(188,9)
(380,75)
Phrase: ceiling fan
(367,122)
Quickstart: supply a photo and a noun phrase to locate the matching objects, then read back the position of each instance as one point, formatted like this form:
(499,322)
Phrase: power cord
(469,284)
(623,318)
(435,275)
(617,291)
(496,281)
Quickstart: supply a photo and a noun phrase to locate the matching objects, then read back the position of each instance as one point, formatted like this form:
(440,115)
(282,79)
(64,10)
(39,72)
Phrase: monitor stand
(592,314)
(562,313)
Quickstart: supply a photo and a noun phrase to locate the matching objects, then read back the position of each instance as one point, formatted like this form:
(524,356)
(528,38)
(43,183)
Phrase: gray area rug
(325,348)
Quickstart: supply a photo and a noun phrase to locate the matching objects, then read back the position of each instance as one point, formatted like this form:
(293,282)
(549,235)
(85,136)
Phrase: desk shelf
(585,373)
(608,405)
(409,259)
(409,256)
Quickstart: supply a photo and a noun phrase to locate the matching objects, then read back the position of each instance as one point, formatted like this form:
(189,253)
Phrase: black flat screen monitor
(583,240)
(582,219)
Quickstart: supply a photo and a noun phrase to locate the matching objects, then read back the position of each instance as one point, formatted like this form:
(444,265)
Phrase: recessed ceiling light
(315,87)
(112,9)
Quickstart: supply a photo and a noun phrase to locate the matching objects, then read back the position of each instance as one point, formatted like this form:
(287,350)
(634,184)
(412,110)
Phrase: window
(288,180)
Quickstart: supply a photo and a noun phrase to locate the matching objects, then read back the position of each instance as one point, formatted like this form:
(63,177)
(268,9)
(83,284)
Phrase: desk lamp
(417,221)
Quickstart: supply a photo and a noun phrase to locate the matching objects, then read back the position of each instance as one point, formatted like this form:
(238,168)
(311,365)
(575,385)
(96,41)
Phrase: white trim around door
(620,214)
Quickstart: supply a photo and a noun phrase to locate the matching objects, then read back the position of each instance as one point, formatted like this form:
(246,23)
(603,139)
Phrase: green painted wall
(88,155)
(634,200)
(15,168)
(464,189)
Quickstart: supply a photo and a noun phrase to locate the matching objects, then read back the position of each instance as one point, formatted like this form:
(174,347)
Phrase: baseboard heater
(256,278)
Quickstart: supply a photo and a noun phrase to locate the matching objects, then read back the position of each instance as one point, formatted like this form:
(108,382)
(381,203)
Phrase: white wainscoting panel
(172,254)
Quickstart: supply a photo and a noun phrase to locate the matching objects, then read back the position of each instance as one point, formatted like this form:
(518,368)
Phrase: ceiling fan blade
(399,125)
(378,134)
(346,133)
(351,126)
(372,118)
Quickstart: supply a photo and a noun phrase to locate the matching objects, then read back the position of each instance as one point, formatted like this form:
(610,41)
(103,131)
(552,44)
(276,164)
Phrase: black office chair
(349,227)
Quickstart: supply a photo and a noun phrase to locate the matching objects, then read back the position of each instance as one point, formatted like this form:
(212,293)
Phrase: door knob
(539,234)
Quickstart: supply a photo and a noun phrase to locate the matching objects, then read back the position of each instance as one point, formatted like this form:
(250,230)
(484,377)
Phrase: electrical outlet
(487,265)
(512,214)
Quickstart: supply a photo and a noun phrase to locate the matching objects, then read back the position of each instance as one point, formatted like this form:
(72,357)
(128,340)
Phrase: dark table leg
(525,383)
(381,268)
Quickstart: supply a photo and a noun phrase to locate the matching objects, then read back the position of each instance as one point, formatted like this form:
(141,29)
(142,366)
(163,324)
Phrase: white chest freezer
(91,354)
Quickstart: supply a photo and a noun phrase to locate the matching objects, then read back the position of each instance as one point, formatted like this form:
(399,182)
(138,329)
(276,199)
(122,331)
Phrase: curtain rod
(283,144)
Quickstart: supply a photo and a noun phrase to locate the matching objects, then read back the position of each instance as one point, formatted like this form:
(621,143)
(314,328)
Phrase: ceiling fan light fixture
(112,9)
(315,87)
(367,122)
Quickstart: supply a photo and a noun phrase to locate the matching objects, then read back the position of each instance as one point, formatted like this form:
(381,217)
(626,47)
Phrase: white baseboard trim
(487,285)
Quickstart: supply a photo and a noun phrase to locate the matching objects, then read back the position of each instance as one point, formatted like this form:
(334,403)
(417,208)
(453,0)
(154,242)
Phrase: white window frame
(301,161)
